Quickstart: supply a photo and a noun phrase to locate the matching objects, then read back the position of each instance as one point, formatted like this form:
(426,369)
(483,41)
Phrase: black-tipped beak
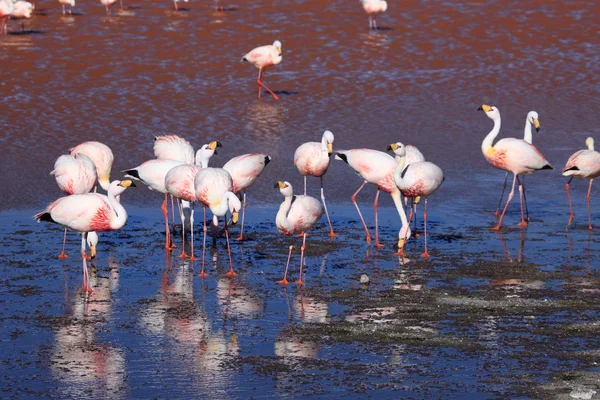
(537,128)
(276,186)
(480,108)
(133,184)
(219,144)
(389,148)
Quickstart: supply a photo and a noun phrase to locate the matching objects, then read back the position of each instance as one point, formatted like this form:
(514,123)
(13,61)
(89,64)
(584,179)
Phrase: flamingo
(584,164)
(373,7)
(413,155)
(419,179)
(70,3)
(102,156)
(532,119)
(107,4)
(297,214)
(175,4)
(312,158)
(214,189)
(86,213)
(74,174)
(510,154)
(6,9)
(262,58)
(22,10)
(374,167)
(152,173)
(179,182)
(244,170)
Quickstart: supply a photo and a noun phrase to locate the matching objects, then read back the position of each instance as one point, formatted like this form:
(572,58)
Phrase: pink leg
(305,185)
(173,209)
(241,237)
(331,233)
(183,254)
(62,254)
(510,196)
(260,83)
(165,211)
(572,216)
(377,244)
(425,253)
(121,1)
(107,11)
(202,273)
(175,3)
(230,273)
(87,287)
(523,223)
(497,213)
(284,281)
(192,258)
(359,214)
(589,199)
(300,281)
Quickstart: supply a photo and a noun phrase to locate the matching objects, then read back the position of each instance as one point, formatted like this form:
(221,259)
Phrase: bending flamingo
(214,189)
(373,7)
(179,182)
(297,214)
(262,58)
(244,170)
(86,213)
(584,164)
(513,155)
(312,158)
(419,179)
(102,156)
(412,155)
(532,119)
(74,174)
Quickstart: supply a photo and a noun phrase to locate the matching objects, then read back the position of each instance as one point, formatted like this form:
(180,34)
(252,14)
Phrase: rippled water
(489,316)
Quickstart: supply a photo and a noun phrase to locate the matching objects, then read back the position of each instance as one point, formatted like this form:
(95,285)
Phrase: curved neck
(324,144)
(120,216)
(398,203)
(399,167)
(528,136)
(223,206)
(489,139)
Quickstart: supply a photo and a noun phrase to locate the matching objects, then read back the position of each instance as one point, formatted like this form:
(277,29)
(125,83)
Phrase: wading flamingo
(152,173)
(262,58)
(102,156)
(584,164)
(179,182)
(70,3)
(244,170)
(419,179)
(86,213)
(312,158)
(23,10)
(513,155)
(74,174)
(532,119)
(6,9)
(107,4)
(373,7)
(412,155)
(214,189)
(296,215)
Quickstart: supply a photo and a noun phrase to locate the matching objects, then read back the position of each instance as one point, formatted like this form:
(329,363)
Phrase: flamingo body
(22,9)
(262,58)
(245,169)
(75,174)
(70,3)
(373,7)
(373,166)
(173,147)
(6,9)
(152,173)
(210,186)
(419,179)
(102,156)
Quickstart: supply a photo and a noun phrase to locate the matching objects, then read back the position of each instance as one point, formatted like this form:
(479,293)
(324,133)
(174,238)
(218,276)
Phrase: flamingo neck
(528,136)
(399,167)
(324,145)
(223,206)
(120,214)
(396,196)
(486,145)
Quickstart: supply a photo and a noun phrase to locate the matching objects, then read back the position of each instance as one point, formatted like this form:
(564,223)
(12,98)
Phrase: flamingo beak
(392,147)
(401,243)
(485,108)
(92,251)
(234,217)
(214,145)
(536,123)
(329,148)
(279,185)
(127,183)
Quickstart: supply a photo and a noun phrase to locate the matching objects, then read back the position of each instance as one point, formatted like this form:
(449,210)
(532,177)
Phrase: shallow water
(510,314)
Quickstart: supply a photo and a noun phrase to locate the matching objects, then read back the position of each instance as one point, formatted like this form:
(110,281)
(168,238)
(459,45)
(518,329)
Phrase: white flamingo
(262,58)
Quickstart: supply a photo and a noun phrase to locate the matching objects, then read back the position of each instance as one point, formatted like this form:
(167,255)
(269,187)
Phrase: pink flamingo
(244,170)
(513,155)
(312,158)
(6,9)
(23,10)
(70,3)
(103,159)
(419,179)
(413,155)
(88,212)
(373,7)
(74,174)
(584,164)
(179,182)
(262,58)
(297,214)
(107,4)
(214,189)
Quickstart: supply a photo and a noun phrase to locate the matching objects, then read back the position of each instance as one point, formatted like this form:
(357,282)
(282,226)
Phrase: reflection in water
(407,281)
(309,309)
(376,39)
(375,315)
(507,251)
(238,301)
(264,120)
(78,360)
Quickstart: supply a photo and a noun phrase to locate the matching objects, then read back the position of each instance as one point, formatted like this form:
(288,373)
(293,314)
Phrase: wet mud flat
(489,315)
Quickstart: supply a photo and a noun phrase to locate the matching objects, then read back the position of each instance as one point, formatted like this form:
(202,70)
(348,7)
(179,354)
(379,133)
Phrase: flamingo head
(533,119)
(589,142)
(398,148)
(206,152)
(235,205)
(403,236)
(118,187)
(285,188)
(492,112)
(277,45)
(328,140)
(92,242)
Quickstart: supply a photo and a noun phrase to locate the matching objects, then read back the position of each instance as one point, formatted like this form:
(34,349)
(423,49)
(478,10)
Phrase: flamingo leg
(173,209)
(353,198)
(374,23)
(64,11)
(589,199)
(175,4)
(425,253)
(231,273)
(168,242)
(568,188)
(413,212)
(62,254)
(510,196)
(261,72)
(87,287)
(300,281)
(192,258)
(525,200)
(107,11)
(497,213)
(523,223)
(305,185)
(121,1)
(202,273)
(284,281)
(241,237)
(377,244)
(331,233)
(182,255)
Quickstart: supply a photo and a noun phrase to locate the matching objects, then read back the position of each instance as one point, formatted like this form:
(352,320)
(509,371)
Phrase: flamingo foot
(497,214)
(400,252)
(299,282)
(571,218)
(416,234)
(522,224)
(193,258)
(590,227)
(182,255)
(231,274)
(425,255)
(87,257)
(332,234)
(240,238)
(283,282)
(378,245)
(87,289)
(496,228)
(203,274)
(368,238)
(62,255)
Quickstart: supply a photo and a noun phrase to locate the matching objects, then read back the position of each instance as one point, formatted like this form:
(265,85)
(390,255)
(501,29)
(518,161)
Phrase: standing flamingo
(22,10)
(297,214)
(6,9)
(412,155)
(102,156)
(86,213)
(312,158)
(532,119)
(214,189)
(70,3)
(179,182)
(373,7)
(74,174)
(510,154)
(262,58)
(244,170)
(107,4)
(419,179)
(584,164)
